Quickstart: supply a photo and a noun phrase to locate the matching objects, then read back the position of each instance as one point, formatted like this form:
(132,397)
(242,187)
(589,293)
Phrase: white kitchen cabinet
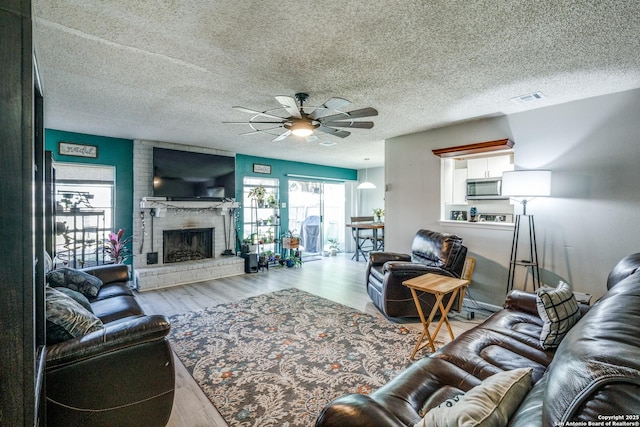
(488,167)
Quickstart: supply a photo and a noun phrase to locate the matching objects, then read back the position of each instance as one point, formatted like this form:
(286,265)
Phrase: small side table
(439,286)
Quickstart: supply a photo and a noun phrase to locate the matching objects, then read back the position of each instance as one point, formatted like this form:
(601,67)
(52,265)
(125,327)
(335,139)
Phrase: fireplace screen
(187,245)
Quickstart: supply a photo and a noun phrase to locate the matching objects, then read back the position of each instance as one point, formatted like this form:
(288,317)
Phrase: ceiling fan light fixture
(301,129)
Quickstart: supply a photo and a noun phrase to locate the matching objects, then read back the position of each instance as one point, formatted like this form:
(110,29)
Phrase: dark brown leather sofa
(122,375)
(431,252)
(594,373)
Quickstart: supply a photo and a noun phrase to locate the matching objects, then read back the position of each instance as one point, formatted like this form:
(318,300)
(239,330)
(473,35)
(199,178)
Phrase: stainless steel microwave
(484,188)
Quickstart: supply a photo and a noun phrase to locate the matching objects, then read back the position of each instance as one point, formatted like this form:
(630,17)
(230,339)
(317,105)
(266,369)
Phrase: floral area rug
(277,359)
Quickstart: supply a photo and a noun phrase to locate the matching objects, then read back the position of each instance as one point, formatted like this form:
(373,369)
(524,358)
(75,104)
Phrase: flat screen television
(186,175)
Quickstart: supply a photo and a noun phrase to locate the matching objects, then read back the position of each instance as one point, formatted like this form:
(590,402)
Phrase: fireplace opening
(187,245)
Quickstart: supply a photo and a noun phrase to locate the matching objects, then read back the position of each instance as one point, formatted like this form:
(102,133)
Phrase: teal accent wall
(116,152)
(280,169)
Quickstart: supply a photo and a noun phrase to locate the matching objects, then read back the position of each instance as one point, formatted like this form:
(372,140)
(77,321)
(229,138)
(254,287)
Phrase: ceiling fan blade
(355,114)
(334,132)
(329,106)
(250,123)
(259,131)
(349,124)
(261,113)
(281,136)
(289,104)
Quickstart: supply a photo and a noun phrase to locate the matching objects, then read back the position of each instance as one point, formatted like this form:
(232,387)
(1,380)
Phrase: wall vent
(528,98)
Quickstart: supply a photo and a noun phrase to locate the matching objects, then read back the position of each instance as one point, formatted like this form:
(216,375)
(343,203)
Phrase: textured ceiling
(172,70)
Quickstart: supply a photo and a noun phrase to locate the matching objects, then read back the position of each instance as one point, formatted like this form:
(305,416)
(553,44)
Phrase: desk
(357,226)
(439,286)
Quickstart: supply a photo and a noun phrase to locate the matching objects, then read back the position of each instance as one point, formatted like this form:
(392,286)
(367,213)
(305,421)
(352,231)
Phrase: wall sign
(78,150)
(257,168)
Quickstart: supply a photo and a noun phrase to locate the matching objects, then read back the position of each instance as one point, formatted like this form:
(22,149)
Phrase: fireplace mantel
(163,203)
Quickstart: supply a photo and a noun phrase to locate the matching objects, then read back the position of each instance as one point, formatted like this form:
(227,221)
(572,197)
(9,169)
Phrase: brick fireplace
(156,216)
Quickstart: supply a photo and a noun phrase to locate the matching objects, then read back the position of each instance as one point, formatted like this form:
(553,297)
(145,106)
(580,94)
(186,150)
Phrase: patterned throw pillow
(490,404)
(77,297)
(75,280)
(559,310)
(66,318)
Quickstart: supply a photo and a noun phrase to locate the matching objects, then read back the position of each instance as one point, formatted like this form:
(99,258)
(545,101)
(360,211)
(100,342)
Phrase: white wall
(590,222)
(374,198)
(362,202)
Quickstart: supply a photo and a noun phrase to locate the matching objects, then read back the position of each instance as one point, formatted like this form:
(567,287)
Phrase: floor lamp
(523,185)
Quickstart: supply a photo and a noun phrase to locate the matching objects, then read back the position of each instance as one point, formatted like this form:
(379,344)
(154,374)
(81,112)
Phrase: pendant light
(366,185)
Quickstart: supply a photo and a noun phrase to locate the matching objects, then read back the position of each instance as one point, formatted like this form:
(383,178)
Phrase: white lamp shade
(366,185)
(526,183)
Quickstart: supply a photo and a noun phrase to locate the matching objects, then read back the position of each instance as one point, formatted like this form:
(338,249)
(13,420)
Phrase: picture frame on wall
(77,150)
(258,168)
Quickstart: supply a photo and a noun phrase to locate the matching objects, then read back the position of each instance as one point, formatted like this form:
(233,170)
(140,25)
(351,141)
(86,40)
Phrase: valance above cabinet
(475,148)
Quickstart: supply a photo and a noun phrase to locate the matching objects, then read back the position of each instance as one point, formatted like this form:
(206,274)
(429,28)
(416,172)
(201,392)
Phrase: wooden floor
(335,278)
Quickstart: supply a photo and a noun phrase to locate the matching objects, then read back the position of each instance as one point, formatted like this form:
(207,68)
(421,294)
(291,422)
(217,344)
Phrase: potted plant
(290,240)
(116,248)
(378,213)
(271,201)
(333,246)
(258,193)
(294,261)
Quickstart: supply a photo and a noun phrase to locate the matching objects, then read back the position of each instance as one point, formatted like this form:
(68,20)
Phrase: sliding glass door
(316,213)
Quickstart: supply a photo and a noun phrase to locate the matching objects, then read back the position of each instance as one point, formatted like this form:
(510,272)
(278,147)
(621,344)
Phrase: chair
(363,238)
(467,274)
(431,252)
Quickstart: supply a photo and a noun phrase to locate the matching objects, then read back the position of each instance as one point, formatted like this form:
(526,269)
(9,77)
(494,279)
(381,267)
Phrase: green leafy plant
(116,247)
(378,212)
(271,201)
(334,243)
(293,261)
(290,233)
(257,193)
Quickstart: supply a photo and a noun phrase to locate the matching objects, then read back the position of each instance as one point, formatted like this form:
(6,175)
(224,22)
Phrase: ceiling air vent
(528,98)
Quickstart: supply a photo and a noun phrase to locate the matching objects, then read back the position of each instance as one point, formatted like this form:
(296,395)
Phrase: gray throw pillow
(75,280)
(66,318)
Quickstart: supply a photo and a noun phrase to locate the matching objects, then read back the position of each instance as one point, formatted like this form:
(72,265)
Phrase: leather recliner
(431,252)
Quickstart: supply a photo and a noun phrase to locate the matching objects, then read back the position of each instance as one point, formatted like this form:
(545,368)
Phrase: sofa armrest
(413,268)
(356,410)
(109,273)
(526,302)
(521,301)
(379,258)
(114,336)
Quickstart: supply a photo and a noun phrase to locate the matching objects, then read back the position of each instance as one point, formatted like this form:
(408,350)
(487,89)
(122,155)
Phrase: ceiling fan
(300,120)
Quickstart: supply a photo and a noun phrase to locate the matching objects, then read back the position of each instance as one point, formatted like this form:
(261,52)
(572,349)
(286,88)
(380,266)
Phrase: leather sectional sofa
(120,375)
(592,375)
